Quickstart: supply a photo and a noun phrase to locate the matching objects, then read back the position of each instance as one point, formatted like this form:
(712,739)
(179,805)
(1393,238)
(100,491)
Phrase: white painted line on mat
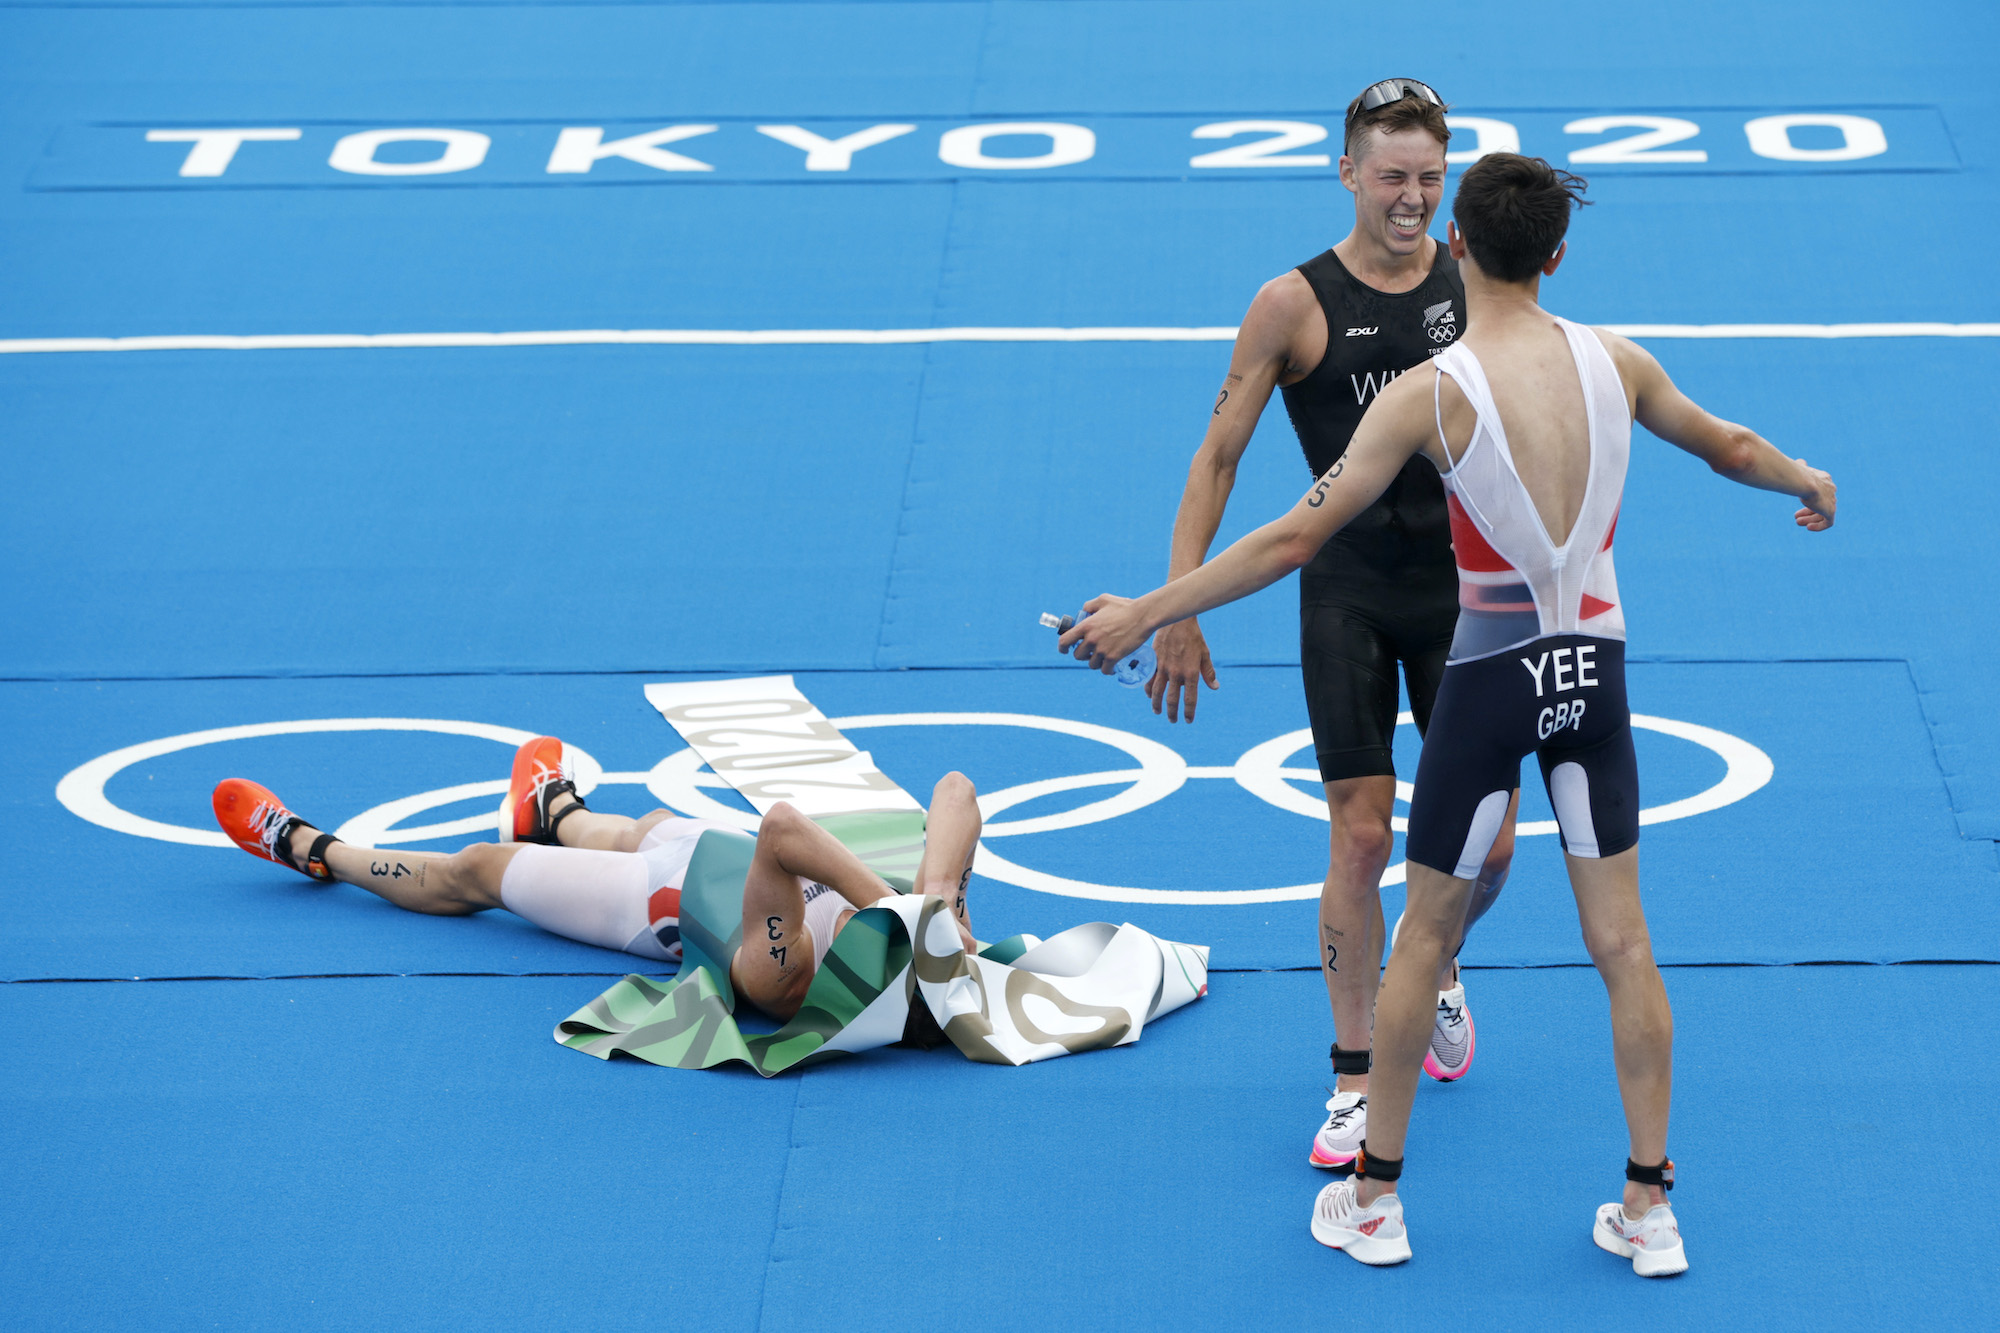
(271,342)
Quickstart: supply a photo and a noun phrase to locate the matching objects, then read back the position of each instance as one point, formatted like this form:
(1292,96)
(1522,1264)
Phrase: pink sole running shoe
(1452,1038)
(1340,1137)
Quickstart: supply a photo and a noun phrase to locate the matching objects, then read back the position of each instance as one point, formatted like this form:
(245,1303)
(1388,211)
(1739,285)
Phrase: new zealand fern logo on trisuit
(1441,322)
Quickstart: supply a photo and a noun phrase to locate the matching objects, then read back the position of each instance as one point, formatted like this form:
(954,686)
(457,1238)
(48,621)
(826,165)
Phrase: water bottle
(1134,669)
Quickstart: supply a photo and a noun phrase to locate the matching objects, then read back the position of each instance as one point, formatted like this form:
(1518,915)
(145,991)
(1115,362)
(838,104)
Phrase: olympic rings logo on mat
(679,781)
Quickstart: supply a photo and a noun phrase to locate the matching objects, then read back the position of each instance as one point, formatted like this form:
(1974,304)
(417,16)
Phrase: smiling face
(1397,178)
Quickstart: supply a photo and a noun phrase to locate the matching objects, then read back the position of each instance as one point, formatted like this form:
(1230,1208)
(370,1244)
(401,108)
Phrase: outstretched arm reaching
(1398,424)
(1734,451)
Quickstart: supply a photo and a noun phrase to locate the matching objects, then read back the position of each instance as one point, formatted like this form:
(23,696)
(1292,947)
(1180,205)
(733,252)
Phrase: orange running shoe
(539,777)
(259,823)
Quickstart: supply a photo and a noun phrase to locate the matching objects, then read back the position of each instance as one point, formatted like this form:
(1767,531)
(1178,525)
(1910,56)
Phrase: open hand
(1114,629)
(1184,664)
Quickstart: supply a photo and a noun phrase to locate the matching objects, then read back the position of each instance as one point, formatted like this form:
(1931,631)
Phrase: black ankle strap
(316,865)
(554,790)
(1384,1169)
(1349,1062)
(1661,1175)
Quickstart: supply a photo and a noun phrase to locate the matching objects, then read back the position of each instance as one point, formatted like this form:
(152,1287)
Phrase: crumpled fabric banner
(1014,1002)
(769,742)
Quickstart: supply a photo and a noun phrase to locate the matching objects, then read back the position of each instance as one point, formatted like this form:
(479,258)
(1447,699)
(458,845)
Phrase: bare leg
(951,839)
(1350,908)
(1406,1009)
(436,883)
(774,967)
(1642,1024)
(602,833)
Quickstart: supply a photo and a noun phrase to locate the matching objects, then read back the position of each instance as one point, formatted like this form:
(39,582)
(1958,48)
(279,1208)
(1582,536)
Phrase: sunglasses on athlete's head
(1392,90)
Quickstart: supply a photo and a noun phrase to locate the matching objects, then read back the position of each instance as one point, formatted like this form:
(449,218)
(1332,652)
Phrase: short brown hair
(1513,212)
(1407,112)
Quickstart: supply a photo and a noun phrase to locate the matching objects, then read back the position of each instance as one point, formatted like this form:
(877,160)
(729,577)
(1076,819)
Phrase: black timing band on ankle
(562,814)
(1349,1062)
(316,857)
(1384,1169)
(1661,1175)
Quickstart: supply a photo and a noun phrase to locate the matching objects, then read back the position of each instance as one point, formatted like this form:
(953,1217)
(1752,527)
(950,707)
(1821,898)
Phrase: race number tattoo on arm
(1223,397)
(1318,496)
(771,927)
(778,952)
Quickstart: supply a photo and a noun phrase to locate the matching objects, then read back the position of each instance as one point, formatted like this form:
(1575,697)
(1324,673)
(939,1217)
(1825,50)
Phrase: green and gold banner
(1012,1003)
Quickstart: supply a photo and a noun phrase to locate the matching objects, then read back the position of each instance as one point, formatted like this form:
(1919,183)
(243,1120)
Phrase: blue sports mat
(1792,872)
(789,508)
(368,1154)
(418,1153)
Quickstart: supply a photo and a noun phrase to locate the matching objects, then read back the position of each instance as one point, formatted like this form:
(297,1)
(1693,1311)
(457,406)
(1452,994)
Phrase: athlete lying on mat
(615,882)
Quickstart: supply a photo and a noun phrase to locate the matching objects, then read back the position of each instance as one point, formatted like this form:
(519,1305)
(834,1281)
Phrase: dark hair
(1513,212)
(1406,112)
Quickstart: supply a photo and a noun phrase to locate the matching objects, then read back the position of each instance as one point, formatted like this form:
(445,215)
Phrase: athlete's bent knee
(954,786)
(628,840)
(782,821)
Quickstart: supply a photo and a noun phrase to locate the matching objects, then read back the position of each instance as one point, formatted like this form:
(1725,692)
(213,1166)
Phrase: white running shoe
(1340,1137)
(1374,1235)
(1452,1039)
(1653,1243)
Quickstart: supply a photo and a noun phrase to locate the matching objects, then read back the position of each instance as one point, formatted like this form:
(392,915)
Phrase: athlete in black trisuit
(1529,423)
(1331,333)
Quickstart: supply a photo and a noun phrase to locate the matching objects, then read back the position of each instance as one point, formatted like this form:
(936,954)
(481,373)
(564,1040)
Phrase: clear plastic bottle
(1134,670)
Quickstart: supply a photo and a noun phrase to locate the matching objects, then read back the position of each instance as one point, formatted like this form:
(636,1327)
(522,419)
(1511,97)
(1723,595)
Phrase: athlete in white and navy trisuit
(1537,663)
(616,882)
(1528,419)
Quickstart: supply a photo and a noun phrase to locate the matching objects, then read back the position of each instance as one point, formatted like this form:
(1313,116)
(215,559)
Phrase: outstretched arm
(1260,357)
(1733,451)
(1398,424)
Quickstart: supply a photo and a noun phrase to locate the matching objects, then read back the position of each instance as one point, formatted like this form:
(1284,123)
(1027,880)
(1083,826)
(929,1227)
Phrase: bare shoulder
(1630,358)
(1637,370)
(1287,294)
(1282,308)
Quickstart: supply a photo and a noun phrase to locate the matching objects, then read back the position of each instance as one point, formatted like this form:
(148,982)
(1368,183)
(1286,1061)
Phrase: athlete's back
(1538,439)
(1538,394)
